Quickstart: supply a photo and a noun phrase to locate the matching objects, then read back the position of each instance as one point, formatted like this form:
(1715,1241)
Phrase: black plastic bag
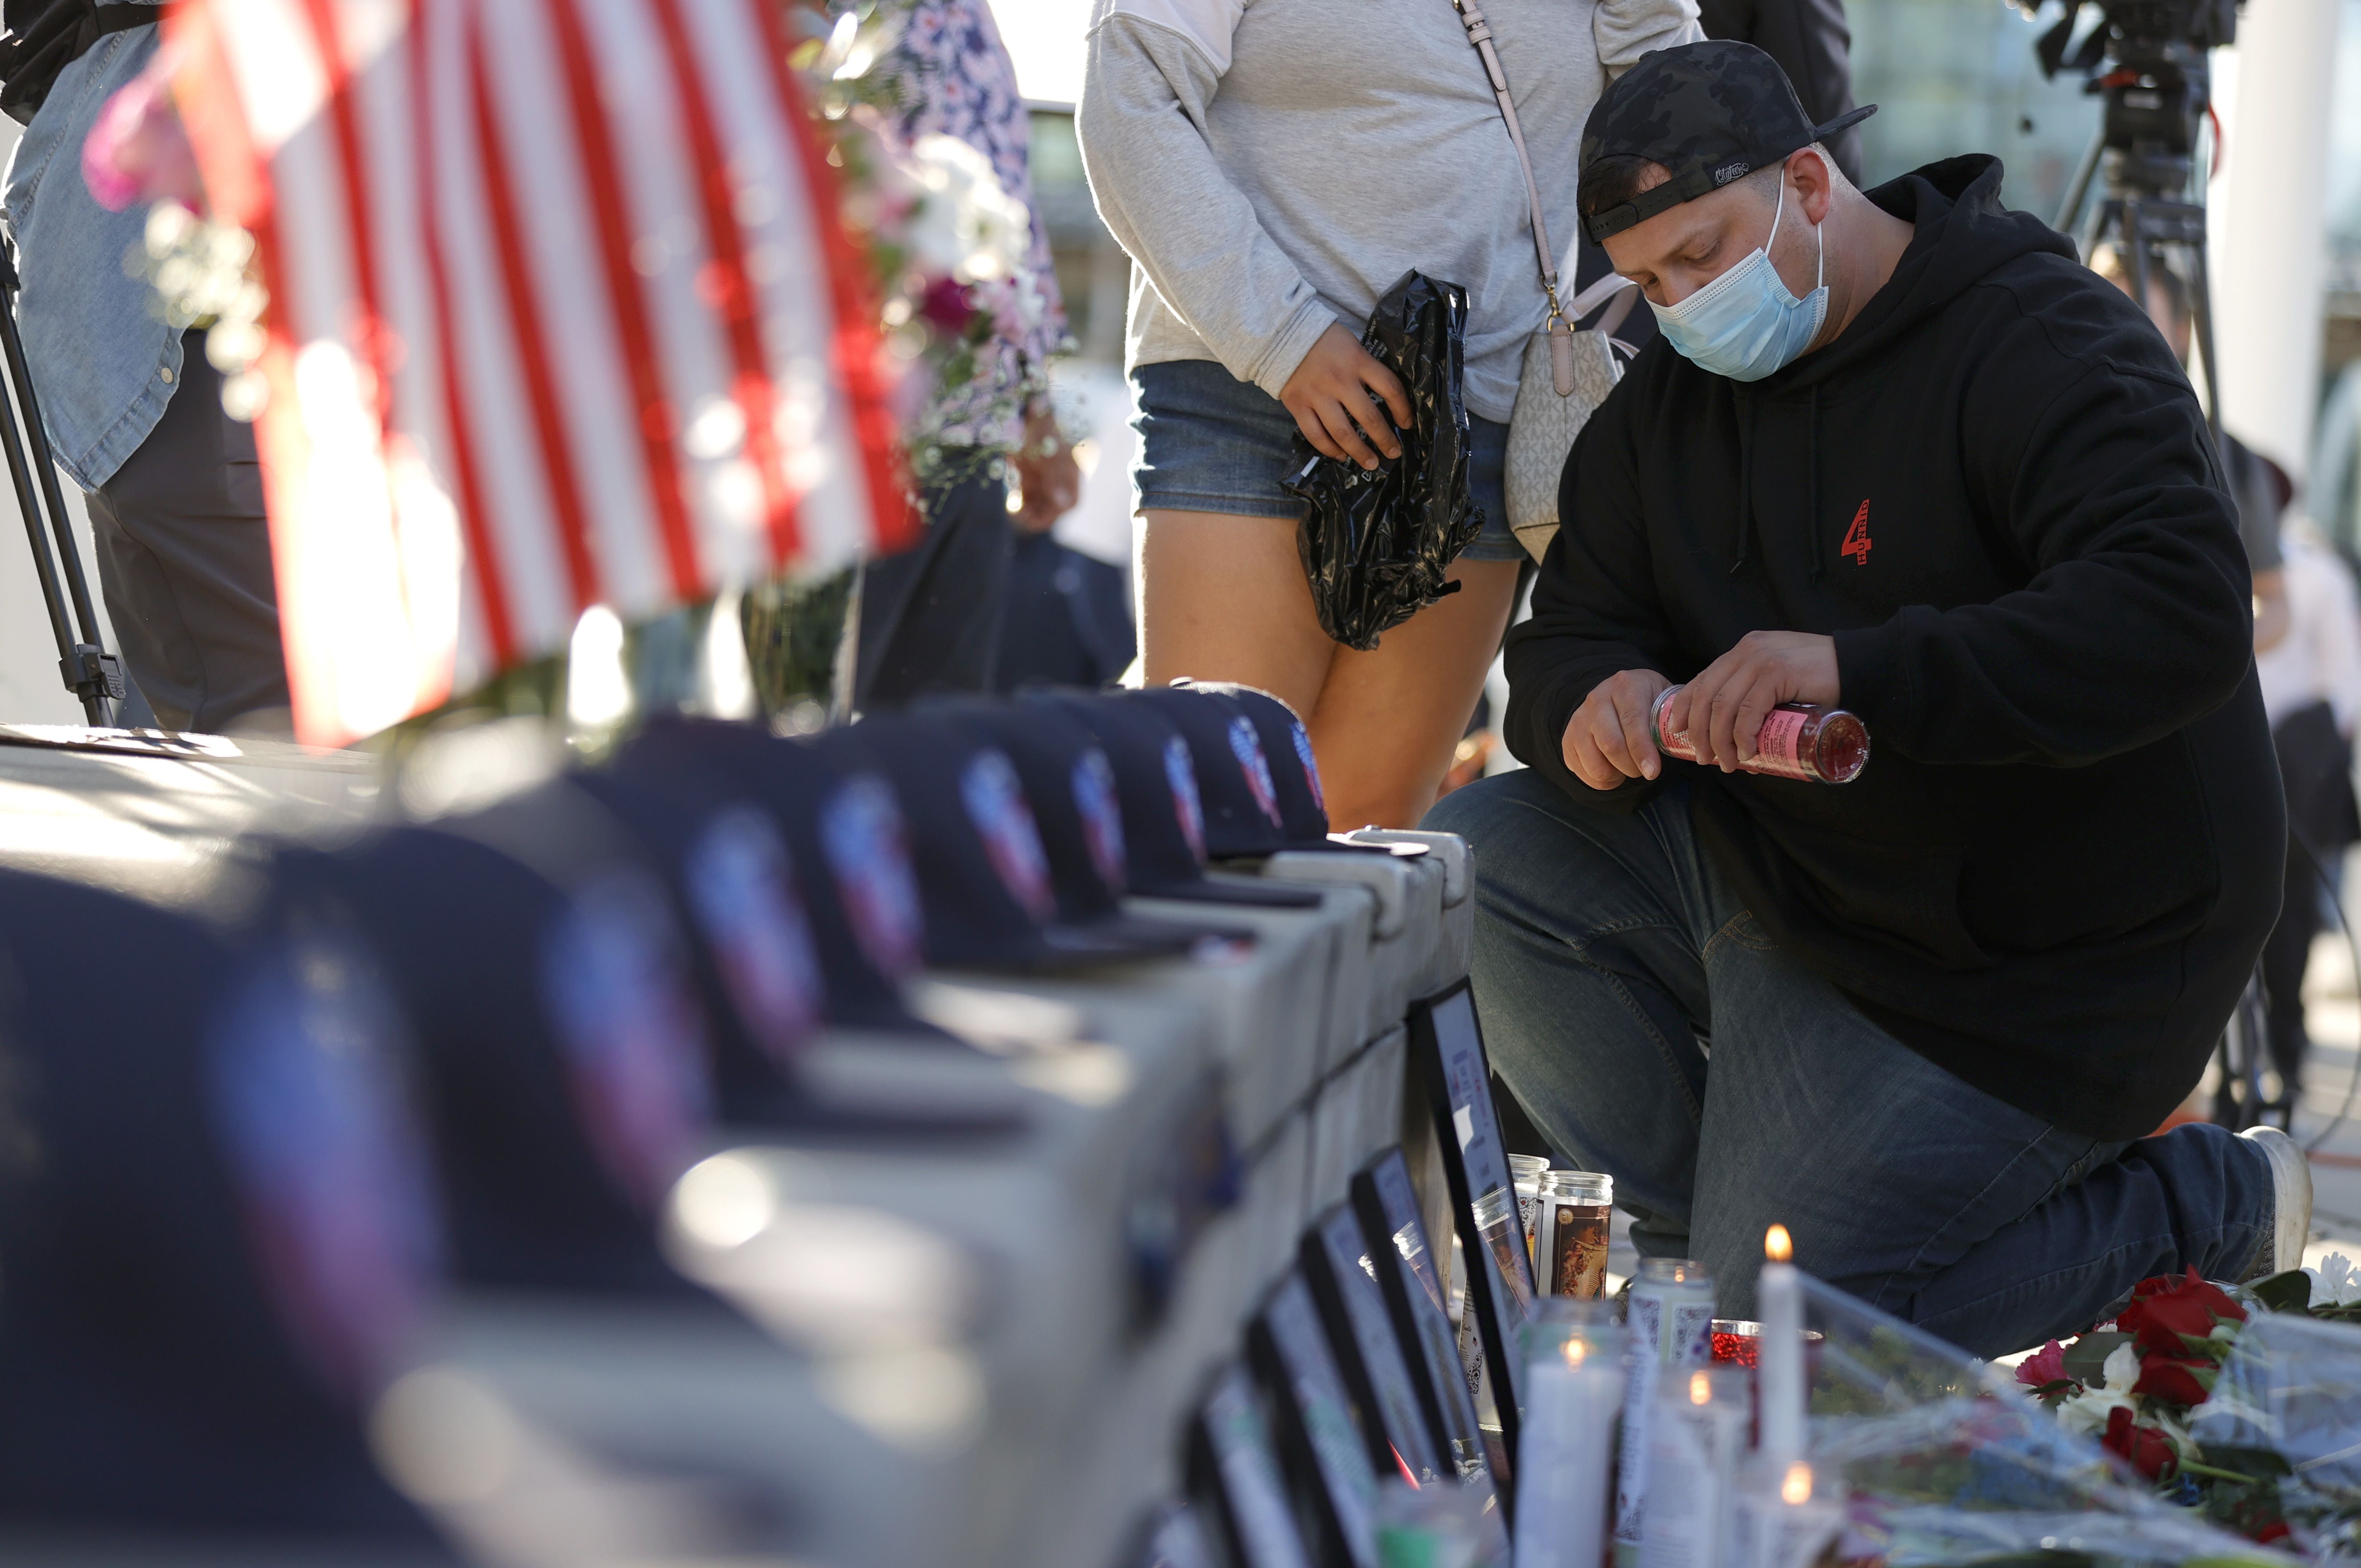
(1377,542)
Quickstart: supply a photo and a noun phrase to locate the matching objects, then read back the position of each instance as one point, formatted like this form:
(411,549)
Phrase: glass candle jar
(1576,1210)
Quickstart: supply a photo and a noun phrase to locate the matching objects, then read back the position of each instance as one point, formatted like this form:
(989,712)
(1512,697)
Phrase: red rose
(2149,1451)
(2165,1312)
(2177,1380)
(2275,1531)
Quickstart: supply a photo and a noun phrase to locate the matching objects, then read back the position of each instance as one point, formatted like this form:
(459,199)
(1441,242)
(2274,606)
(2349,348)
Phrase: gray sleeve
(1626,29)
(1165,199)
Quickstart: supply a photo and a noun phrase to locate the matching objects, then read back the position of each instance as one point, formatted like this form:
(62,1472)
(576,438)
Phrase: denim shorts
(1209,442)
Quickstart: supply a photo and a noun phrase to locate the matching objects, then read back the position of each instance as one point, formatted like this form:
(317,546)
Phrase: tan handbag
(1566,374)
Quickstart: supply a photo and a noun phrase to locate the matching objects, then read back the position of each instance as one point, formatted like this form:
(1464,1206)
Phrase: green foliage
(2289,1292)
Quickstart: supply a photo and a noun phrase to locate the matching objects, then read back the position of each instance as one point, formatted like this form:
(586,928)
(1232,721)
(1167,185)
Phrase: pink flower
(138,149)
(2044,1366)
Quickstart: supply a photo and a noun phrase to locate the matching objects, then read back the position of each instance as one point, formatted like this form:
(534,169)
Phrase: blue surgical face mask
(1745,324)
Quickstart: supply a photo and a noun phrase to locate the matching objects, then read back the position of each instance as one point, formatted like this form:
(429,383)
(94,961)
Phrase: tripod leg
(2079,188)
(2135,256)
(45,468)
(2200,315)
(83,663)
(52,595)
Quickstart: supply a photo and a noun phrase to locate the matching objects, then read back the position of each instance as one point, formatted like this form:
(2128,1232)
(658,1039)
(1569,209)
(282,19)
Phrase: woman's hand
(1736,693)
(1048,481)
(1339,392)
(1607,741)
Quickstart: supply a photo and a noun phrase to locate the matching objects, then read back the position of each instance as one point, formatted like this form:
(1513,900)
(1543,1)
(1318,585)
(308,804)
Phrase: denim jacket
(103,364)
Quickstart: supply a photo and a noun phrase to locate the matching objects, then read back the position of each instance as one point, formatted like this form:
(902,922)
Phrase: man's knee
(1474,810)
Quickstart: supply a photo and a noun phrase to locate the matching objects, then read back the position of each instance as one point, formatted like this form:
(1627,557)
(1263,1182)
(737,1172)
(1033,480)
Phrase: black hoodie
(1997,491)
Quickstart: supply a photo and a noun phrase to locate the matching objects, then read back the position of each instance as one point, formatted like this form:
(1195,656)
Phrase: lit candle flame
(1700,1388)
(1797,1489)
(1777,1245)
(1575,1351)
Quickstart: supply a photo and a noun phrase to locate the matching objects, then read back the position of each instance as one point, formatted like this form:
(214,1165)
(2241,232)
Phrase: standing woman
(1273,167)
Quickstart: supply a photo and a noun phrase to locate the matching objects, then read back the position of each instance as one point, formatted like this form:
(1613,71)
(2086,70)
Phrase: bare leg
(1222,599)
(1388,720)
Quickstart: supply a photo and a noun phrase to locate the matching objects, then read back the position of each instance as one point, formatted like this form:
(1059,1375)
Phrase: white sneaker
(2291,1202)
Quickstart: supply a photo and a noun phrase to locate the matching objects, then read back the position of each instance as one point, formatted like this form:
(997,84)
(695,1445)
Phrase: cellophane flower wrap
(1943,1459)
(2285,1409)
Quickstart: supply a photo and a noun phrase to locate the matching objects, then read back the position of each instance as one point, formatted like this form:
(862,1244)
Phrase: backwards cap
(1712,113)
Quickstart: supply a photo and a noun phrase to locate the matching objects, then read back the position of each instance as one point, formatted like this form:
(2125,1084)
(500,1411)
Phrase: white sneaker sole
(2291,1194)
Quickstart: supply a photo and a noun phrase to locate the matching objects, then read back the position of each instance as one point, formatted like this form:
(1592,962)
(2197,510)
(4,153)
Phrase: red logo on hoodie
(1856,539)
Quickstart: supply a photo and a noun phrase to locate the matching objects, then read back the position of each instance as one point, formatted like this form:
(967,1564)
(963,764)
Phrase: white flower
(2182,1443)
(2335,1282)
(2087,1411)
(966,226)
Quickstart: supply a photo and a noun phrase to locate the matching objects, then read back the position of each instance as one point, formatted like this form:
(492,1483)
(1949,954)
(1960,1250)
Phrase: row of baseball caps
(241,1148)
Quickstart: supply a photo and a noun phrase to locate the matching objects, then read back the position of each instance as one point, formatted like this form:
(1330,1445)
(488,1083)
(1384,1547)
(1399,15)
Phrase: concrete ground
(2332,1012)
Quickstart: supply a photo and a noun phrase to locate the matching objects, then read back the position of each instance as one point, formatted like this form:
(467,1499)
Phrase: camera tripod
(2148,61)
(2143,209)
(90,672)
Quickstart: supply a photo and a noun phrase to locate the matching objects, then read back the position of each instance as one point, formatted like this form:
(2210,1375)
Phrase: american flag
(561,315)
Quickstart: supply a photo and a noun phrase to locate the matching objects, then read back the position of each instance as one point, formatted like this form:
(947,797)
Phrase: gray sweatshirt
(1273,166)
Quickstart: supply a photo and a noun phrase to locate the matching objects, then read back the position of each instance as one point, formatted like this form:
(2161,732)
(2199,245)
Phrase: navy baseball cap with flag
(757,965)
(1295,776)
(984,873)
(1243,817)
(1163,815)
(1711,112)
(218,1223)
(564,1064)
(1070,782)
(847,842)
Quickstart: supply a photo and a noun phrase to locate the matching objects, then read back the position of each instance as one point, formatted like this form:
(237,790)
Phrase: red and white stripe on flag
(560,315)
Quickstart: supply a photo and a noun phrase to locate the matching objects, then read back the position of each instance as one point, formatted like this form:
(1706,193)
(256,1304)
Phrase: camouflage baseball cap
(1711,112)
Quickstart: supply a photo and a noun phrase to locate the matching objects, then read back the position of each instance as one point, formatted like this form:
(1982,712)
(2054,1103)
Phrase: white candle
(1571,1399)
(1785,1519)
(1779,1304)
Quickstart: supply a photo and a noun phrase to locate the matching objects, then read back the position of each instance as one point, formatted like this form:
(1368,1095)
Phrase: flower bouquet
(2239,1405)
(949,248)
(1941,1460)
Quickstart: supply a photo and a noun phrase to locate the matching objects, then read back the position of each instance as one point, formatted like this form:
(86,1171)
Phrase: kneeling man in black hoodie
(1899,451)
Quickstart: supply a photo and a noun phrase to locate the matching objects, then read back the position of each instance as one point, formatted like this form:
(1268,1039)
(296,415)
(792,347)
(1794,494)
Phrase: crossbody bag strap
(1479,33)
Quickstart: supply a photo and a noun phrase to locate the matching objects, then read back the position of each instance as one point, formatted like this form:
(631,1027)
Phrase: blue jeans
(1654,1030)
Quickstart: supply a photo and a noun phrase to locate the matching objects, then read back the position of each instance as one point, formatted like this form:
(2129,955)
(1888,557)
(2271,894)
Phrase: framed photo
(1320,1443)
(1233,1475)
(1448,1048)
(1387,1206)
(1342,1272)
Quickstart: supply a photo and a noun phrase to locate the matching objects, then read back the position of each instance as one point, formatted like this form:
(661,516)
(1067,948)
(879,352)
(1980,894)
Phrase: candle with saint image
(1779,1303)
